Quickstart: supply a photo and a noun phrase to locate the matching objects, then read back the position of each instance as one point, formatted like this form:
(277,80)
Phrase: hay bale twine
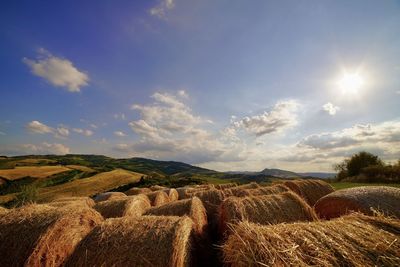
(158,198)
(192,207)
(40,235)
(137,191)
(225,186)
(143,241)
(265,209)
(128,206)
(353,240)
(157,188)
(365,199)
(310,190)
(59,202)
(108,196)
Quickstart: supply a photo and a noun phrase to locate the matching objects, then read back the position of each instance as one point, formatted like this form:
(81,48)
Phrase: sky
(227,85)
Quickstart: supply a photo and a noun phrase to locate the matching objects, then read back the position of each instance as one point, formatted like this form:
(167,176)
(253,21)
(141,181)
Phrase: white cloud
(38,127)
(57,71)
(182,93)
(119,116)
(43,148)
(162,8)
(282,116)
(84,132)
(120,133)
(330,108)
(62,132)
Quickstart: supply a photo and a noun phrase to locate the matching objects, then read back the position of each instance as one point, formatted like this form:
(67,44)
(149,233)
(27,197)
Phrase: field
(32,171)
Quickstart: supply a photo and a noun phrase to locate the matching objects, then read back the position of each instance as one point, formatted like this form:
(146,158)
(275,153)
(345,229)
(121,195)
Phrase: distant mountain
(285,174)
(279,173)
(322,175)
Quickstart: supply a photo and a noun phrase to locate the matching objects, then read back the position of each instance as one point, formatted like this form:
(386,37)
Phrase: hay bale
(310,190)
(172,194)
(59,202)
(158,198)
(40,235)
(182,192)
(137,191)
(266,209)
(157,188)
(354,240)
(225,186)
(192,207)
(108,196)
(268,190)
(365,199)
(3,210)
(143,241)
(128,206)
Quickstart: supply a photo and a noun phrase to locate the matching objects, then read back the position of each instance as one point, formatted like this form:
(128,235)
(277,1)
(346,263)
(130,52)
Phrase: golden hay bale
(137,191)
(172,194)
(268,190)
(59,202)
(365,199)
(128,206)
(225,186)
(182,192)
(264,209)
(3,210)
(353,240)
(108,196)
(158,198)
(143,241)
(192,207)
(157,187)
(310,190)
(40,235)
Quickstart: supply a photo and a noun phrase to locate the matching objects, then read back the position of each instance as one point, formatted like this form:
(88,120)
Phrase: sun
(351,83)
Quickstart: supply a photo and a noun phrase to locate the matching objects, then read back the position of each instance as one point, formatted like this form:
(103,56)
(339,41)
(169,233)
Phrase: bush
(28,194)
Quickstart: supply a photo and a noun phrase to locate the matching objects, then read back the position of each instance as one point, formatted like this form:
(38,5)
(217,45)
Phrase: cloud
(57,71)
(43,148)
(60,132)
(161,9)
(83,131)
(38,127)
(119,116)
(120,133)
(330,108)
(282,116)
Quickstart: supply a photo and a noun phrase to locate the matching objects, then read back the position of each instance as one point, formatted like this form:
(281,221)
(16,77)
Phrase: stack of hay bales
(172,194)
(192,207)
(157,188)
(137,191)
(158,198)
(265,209)
(365,199)
(182,192)
(225,186)
(40,235)
(60,202)
(108,196)
(310,190)
(353,240)
(144,241)
(128,206)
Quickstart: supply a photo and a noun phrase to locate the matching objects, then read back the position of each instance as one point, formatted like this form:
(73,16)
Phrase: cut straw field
(32,171)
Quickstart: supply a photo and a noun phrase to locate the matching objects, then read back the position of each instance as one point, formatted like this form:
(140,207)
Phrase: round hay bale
(157,188)
(310,190)
(354,240)
(59,202)
(365,199)
(128,206)
(268,190)
(143,241)
(158,198)
(172,194)
(137,191)
(3,210)
(182,192)
(108,196)
(40,235)
(193,208)
(225,186)
(265,209)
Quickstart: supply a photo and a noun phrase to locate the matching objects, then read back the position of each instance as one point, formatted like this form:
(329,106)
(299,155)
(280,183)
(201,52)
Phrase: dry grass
(59,202)
(3,211)
(109,196)
(158,198)
(32,171)
(265,209)
(365,199)
(80,168)
(137,191)
(268,190)
(157,187)
(40,235)
(354,240)
(90,186)
(128,206)
(129,241)
(310,190)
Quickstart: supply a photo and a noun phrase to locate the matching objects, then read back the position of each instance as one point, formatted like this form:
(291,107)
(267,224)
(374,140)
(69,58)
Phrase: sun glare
(351,83)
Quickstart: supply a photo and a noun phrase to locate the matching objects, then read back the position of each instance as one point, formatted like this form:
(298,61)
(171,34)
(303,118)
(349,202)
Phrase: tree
(354,165)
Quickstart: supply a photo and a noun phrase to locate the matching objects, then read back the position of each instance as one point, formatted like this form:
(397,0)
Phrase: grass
(32,171)
(343,185)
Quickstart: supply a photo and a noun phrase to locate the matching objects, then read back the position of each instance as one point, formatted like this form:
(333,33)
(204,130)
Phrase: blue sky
(228,85)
